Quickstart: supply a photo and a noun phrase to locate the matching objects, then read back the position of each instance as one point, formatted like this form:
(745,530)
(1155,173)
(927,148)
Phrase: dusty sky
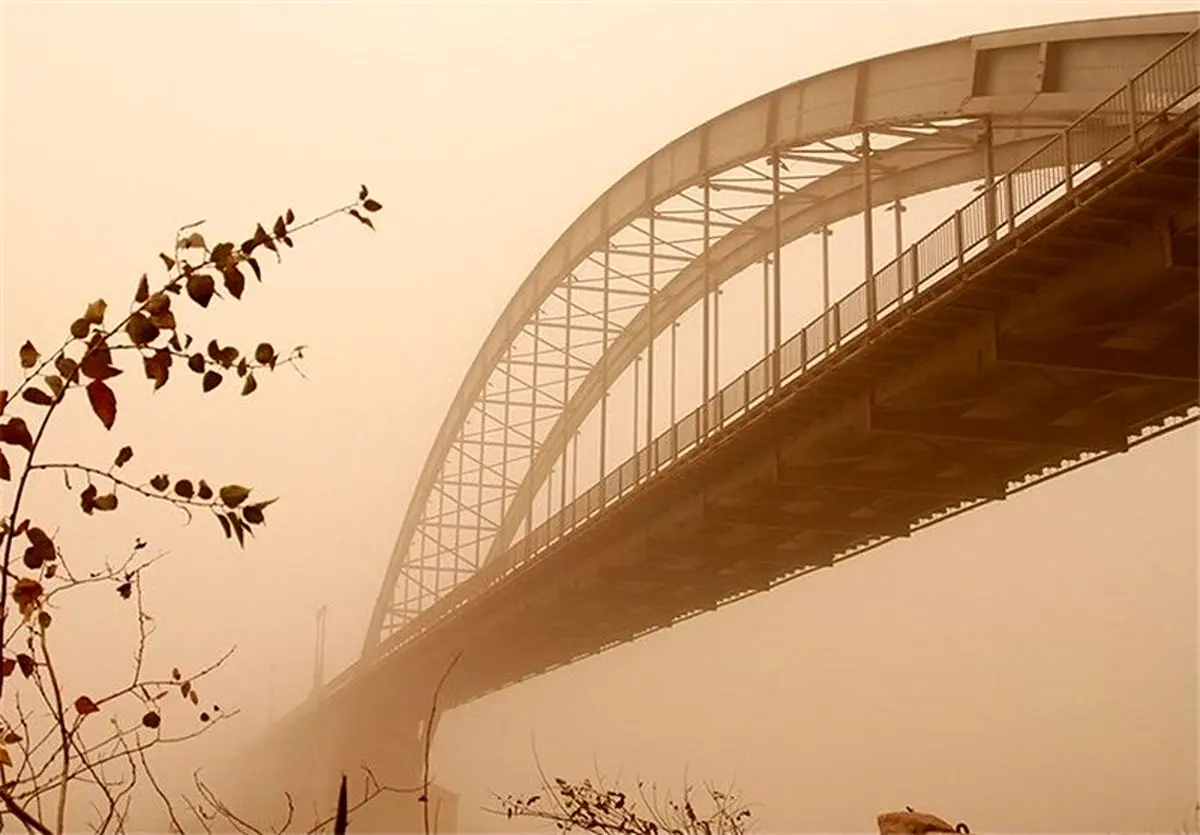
(1031,666)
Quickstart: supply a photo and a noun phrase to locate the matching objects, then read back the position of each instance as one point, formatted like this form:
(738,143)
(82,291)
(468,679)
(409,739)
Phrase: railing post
(958,237)
(1069,179)
(1131,109)
(1010,206)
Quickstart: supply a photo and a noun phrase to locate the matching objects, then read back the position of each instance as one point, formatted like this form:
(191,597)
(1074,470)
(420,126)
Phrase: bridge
(625,453)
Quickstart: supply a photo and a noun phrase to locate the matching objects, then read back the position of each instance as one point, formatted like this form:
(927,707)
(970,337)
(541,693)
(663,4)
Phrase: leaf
(97,362)
(5,469)
(26,593)
(37,397)
(15,432)
(200,288)
(104,402)
(94,315)
(143,290)
(225,526)
(290,216)
(175,673)
(239,529)
(211,380)
(193,241)
(85,706)
(363,219)
(372,205)
(234,494)
(87,499)
(184,488)
(362,193)
(204,717)
(151,720)
(196,362)
(185,689)
(5,758)
(253,262)
(141,330)
(264,354)
(106,502)
(253,513)
(235,281)
(25,662)
(51,570)
(158,367)
(160,482)
(249,386)
(123,456)
(12,738)
(3,399)
(55,383)
(222,256)
(29,355)
(80,328)
(40,550)
(44,619)
(204,491)
(279,230)
(195,699)
(67,367)
(242,367)
(8,667)
(125,590)
(167,259)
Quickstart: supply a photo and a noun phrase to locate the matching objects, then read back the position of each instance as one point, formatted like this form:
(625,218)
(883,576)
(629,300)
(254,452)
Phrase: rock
(915,823)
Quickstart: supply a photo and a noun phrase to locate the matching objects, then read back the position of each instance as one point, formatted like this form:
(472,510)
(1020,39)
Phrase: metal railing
(1118,125)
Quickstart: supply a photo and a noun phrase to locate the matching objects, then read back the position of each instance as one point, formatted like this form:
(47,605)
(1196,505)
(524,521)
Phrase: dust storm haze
(1030,666)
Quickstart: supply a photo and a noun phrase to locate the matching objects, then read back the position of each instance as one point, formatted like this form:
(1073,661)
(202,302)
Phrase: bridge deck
(1065,339)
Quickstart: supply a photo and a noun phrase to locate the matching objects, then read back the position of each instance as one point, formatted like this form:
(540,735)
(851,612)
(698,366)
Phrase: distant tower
(319,655)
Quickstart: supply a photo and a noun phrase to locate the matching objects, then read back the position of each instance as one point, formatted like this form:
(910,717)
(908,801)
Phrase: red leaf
(5,470)
(104,402)
(15,432)
(84,706)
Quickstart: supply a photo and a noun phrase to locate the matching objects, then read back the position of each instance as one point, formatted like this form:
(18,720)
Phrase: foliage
(61,749)
(594,808)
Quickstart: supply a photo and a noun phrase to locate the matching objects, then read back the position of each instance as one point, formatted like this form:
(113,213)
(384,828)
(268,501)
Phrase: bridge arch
(726,195)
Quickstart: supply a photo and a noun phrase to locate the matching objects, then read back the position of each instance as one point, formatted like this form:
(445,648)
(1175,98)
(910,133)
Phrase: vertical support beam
(776,277)
(566,395)
(505,432)
(766,287)
(637,390)
(650,304)
(604,372)
(989,178)
(899,208)
(706,312)
(826,232)
(533,402)
(868,227)
(674,366)
(575,465)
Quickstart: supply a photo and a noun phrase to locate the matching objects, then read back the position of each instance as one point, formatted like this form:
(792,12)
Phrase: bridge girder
(963,110)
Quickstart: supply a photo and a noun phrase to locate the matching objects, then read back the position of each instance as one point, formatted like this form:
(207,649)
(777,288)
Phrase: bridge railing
(1120,123)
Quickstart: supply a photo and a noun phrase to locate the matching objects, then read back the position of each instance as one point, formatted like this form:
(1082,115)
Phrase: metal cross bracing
(630,359)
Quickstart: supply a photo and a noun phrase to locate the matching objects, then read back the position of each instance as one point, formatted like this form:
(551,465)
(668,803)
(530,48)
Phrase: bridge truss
(710,276)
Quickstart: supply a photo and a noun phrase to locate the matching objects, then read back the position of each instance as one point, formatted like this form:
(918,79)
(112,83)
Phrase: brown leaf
(40,550)
(204,491)
(37,397)
(125,590)
(239,529)
(80,328)
(12,738)
(25,662)
(85,706)
(44,619)
(29,355)
(264,354)
(249,386)
(3,400)
(204,717)
(143,290)
(222,256)
(160,482)
(104,402)
(55,383)
(167,259)
(362,194)
(372,205)
(123,456)
(158,303)
(26,593)
(234,494)
(200,288)
(185,689)
(15,432)
(158,367)
(195,699)
(235,281)
(212,379)
(97,363)
(5,758)
(94,315)
(151,720)
(192,241)
(8,667)
(87,499)
(253,262)
(196,362)
(5,469)
(363,219)
(184,488)
(141,330)
(225,526)
(67,367)
(175,673)
(106,502)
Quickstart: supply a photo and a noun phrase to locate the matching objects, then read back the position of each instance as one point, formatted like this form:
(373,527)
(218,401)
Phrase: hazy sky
(1030,666)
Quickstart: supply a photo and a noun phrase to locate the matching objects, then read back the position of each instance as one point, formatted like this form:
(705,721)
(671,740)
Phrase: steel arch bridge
(614,359)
